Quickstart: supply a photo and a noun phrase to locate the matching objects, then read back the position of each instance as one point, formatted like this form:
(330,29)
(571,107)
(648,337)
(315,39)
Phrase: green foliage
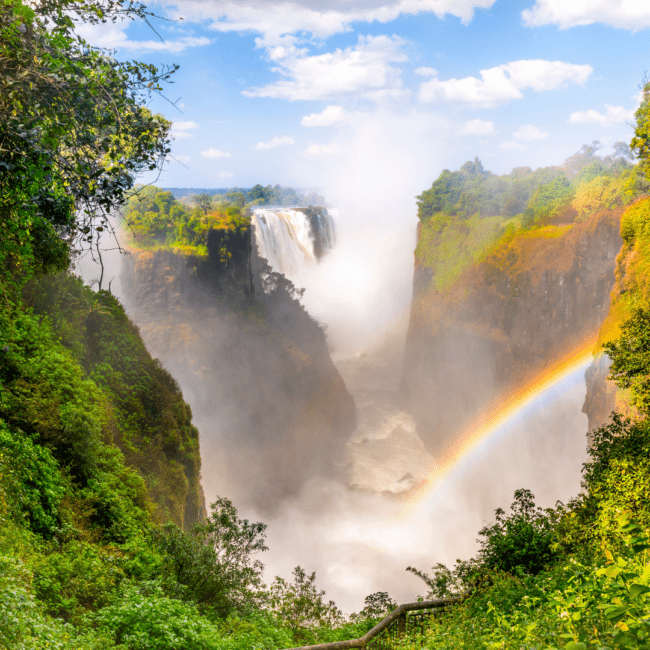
(156,220)
(23,623)
(213,565)
(630,356)
(77,579)
(519,541)
(376,606)
(573,606)
(640,143)
(74,130)
(449,245)
(34,480)
(475,191)
(548,201)
(300,604)
(145,415)
(147,619)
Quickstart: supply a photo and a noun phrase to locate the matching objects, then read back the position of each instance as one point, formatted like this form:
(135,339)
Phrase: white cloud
(277,141)
(478,127)
(529,132)
(504,82)
(354,71)
(612,115)
(276,20)
(625,14)
(215,153)
(323,150)
(184,126)
(512,146)
(331,115)
(113,37)
(180,130)
(225,174)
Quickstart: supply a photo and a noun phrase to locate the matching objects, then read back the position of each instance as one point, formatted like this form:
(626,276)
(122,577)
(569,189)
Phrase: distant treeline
(583,181)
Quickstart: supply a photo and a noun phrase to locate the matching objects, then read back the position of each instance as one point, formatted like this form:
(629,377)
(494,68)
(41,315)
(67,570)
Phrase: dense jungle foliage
(155,220)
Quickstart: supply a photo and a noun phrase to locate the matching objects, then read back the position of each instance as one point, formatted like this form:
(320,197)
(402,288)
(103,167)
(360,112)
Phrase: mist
(362,289)
(346,515)
(359,542)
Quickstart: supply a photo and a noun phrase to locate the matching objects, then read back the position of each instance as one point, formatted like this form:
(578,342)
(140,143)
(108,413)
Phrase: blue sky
(307,93)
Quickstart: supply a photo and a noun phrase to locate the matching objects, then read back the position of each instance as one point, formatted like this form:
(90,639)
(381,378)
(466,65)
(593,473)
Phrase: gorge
(287,456)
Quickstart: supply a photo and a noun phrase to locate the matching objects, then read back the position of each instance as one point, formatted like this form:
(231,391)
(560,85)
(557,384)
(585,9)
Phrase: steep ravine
(271,407)
(531,300)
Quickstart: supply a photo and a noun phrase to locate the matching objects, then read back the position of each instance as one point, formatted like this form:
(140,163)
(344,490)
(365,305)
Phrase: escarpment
(271,408)
(530,299)
(630,291)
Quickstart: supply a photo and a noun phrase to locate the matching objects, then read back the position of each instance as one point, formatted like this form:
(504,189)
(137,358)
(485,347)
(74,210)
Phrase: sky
(290,92)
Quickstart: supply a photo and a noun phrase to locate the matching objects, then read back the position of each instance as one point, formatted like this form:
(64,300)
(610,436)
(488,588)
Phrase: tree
(74,128)
(300,605)
(213,564)
(640,143)
(630,356)
(204,201)
(376,605)
(521,540)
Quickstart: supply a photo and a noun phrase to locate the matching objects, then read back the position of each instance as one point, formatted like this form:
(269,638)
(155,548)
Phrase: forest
(105,539)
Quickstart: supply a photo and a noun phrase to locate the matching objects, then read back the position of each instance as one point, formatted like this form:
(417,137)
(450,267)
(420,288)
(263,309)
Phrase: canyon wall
(529,299)
(631,290)
(271,408)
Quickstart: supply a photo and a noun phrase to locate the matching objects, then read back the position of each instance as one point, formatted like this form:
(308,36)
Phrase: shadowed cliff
(272,409)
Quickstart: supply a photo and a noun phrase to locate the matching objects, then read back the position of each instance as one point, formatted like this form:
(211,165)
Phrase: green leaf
(575,645)
(636,590)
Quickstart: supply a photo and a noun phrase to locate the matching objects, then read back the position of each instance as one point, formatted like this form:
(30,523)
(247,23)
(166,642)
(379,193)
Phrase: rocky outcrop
(533,299)
(600,398)
(631,290)
(271,408)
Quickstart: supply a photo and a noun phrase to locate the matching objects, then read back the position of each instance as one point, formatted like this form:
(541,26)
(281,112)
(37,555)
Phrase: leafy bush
(213,565)
(24,625)
(300,605)
(522,540)
(34,479)
(630,356)
(146,619)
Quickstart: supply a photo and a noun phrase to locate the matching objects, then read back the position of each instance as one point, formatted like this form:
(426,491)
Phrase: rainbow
(503,410)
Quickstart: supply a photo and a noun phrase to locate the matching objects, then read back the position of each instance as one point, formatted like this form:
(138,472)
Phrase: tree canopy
(74,127)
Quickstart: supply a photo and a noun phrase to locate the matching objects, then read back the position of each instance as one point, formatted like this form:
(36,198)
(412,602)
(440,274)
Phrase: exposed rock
(504,321)
(253,365)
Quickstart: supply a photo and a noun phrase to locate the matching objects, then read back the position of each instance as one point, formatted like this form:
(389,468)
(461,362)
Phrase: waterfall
(291,238)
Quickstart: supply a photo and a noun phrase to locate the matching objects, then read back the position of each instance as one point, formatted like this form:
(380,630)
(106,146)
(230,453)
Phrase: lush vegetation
(155,220)
(468,213)
(104,538)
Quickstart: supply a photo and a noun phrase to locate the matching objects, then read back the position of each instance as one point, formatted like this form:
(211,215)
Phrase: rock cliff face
(271,408)
(600,399)
(631,290)
(531,300)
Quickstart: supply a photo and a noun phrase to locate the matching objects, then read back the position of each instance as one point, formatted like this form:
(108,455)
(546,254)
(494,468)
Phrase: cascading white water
(291,238)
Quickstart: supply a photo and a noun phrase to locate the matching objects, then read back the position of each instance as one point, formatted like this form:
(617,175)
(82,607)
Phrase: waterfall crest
(290,238)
